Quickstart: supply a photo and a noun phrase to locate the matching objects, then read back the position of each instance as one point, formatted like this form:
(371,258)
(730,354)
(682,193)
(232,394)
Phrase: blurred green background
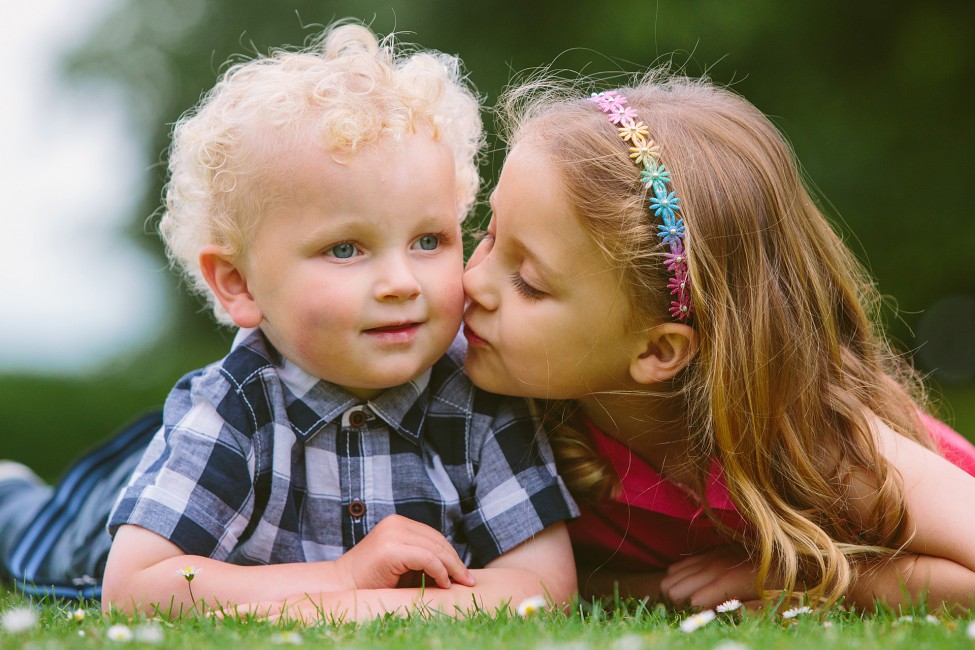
(871,96)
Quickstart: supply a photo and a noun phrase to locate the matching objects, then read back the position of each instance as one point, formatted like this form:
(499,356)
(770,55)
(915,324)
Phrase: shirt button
(357,419)
(357,508)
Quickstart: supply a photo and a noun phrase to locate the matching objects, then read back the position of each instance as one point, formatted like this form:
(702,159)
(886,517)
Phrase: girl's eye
(427,243)
(343,251)
(525,289)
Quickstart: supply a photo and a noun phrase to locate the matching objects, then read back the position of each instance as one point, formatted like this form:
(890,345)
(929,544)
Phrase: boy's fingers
(422,560)
(447,558)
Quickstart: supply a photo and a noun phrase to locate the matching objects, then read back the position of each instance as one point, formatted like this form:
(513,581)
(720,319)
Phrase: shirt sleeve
(194,485)
(517,491)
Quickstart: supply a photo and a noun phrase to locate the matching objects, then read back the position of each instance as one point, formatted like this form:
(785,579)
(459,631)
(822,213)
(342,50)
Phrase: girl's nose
(478,282)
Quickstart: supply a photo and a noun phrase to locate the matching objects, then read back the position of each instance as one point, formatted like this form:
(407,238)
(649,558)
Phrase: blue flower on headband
(671,230)
(664,205)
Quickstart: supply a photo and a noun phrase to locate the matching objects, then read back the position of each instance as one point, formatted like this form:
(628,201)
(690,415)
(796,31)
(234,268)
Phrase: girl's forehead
(534,217)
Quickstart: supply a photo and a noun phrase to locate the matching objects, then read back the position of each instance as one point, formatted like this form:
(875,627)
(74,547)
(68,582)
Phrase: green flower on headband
(655,176)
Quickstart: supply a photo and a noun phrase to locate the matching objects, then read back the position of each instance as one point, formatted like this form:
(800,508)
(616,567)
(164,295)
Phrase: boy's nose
(397,281)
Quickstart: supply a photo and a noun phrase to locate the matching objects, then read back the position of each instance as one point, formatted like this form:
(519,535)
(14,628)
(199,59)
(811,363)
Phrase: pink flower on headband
(619,114)
(681,309)
(608,99)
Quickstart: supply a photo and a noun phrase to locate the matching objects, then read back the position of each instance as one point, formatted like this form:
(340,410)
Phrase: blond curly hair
(351,87)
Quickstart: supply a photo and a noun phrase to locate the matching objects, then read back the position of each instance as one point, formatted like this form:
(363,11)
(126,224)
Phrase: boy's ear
(665,350)
(229,285)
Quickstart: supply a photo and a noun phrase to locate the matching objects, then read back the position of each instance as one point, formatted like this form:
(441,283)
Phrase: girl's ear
(666,349)
(229,285)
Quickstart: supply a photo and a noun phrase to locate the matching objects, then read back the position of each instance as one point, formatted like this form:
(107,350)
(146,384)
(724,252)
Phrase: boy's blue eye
(342,251)
(428,242)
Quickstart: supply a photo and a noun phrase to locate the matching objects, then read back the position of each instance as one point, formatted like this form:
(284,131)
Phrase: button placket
(356,422)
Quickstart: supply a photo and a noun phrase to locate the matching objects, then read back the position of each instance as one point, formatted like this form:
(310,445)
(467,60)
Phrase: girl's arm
(940,504)
(542,566)
(144,570)
(609,584)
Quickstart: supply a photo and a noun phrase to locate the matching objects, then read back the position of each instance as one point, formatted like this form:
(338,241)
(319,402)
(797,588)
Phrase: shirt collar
(644,487)
(317,402)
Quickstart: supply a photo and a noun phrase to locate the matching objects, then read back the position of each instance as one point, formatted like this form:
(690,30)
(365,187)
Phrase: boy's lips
(398,326)
(398,332)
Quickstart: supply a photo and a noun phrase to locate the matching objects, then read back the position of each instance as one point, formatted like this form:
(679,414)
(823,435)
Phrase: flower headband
(663,204)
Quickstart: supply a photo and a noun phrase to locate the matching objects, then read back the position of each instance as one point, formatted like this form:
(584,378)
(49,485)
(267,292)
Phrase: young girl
(714,383)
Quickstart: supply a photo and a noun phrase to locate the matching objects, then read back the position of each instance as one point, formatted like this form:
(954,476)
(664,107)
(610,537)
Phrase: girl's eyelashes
(525,289)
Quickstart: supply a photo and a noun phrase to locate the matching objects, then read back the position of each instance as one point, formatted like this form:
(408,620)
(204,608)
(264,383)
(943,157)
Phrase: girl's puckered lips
(472,337)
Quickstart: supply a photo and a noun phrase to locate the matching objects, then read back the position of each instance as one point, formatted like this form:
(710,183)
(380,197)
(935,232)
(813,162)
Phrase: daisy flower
(78,615)
(728,606)
(796,611)
(289,637)
(188,572)
(19,619)
(532,605)
(695,621)
(151,633)
(970,630)
(119,633)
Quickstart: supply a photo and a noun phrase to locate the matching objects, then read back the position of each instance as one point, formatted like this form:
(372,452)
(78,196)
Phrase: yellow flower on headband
(635,132)
(643,154)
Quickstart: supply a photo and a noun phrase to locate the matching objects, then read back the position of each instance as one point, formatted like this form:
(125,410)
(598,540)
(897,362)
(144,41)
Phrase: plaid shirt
(260,463)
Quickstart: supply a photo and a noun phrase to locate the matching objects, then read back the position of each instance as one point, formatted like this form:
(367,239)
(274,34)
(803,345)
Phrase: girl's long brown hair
(791,364)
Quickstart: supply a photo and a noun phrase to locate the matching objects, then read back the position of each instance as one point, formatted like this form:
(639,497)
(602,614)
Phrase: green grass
(630,625)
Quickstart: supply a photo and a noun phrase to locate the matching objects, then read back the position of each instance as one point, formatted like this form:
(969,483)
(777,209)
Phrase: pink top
(654,522)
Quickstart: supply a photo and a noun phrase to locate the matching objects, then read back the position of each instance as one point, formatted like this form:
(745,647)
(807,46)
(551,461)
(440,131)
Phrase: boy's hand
(396,552)
(708,579)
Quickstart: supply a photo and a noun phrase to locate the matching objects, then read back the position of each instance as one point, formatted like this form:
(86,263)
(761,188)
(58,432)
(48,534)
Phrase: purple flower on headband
(675,259)
(671,230)
(664,205)
(619,114)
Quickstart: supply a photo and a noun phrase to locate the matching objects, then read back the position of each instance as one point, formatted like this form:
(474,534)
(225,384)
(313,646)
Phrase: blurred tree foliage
(871,96)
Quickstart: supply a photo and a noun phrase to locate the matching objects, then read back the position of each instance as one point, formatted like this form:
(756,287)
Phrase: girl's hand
(397,552)
(708,579)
